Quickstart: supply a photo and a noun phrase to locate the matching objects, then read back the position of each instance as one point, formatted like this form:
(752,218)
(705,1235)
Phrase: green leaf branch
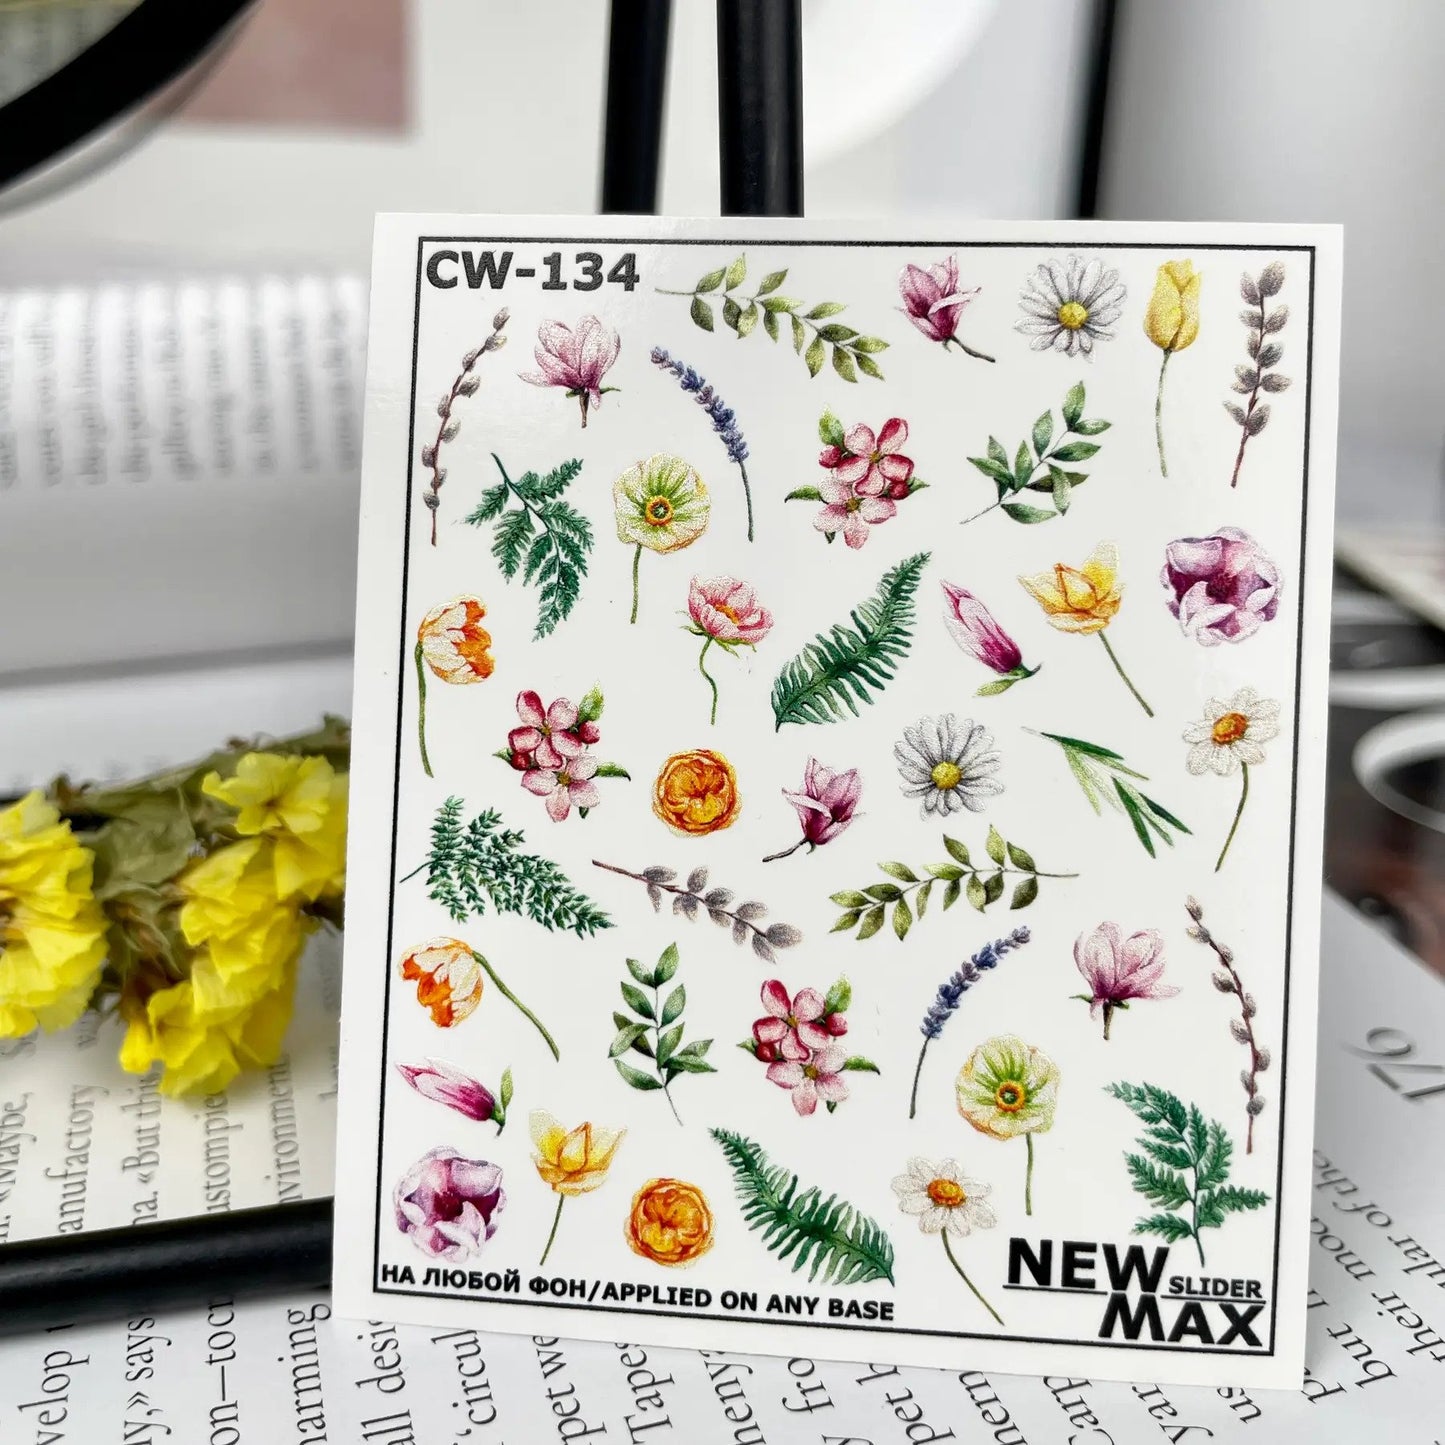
(541,536)
(1183,1167)
(959,876)
(654,1030)
(816,337)
(847,665)
(1039,465)
(827,1234)
(1106,778)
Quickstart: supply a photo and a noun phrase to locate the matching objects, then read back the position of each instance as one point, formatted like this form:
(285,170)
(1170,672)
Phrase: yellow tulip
(1085,600)
(1080,600)
(570,1162)
(1171,322)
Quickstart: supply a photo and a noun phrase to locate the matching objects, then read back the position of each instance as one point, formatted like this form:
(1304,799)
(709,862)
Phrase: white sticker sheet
(837,782)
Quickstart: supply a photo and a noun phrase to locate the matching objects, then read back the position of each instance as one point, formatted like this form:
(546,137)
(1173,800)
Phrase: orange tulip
(453,644)
(670,1222)
(448,979)
(696,792)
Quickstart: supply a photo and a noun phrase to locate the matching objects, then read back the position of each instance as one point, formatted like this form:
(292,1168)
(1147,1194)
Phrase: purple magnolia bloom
(1222,588)
(1118,969)
(825,807)
(449,1204)
(575,360)
(449,1086)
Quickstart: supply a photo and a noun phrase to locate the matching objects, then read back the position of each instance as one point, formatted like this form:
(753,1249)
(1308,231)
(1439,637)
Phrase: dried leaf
(697,880)
(1257,419)
(654,894)
(718,898)
(1271,278)
(763,949)
(1237,412)
(740,931)
(1248,289)
(783,935)
(1274,382)
(1270,354)
(659,875)
(1277,319)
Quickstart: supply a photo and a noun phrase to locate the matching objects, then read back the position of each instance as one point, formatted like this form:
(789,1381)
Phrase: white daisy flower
(1231,733)
(949,765)
(1068,305)
(943,1198)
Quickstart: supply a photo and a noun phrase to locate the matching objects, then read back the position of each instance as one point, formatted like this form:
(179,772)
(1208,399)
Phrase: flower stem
(1108,1018)
(1238,814)
(967,350)
(1029,1177)
(948,1250)
(786,853)
(918,1074)
(700,659)
(636,563)
(556,1220)
(582,401)
(1118,667)
(748,494)
(516,1002)
(1159,415)
(421,707)
(983,513)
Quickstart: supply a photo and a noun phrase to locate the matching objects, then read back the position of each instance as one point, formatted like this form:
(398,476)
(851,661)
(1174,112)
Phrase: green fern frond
(482,863)
(849,664)
(828,1235)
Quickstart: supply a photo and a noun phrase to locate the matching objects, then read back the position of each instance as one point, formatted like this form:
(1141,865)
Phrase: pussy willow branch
(1244,431)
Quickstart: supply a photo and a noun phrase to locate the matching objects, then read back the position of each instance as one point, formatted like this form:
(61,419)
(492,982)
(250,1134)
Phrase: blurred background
(182,306)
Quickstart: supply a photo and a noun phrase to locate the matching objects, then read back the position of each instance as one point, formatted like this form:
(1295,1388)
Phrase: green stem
(983,513)
(556,1220)
(748,494)
(1029,1177)
(657,1047)
(516,1002)
(636,562)
(917,1074)
(700,658)
(948,1250)
(1108,1018)
(1118,667)
(408,877)
(967,350)
(1238,814)
(421,708)
(1159,415)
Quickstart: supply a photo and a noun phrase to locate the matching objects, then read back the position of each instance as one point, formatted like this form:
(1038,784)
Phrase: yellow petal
(1102,568)
(547,1134)
(1078,588)
(1043,588)
(576,1149)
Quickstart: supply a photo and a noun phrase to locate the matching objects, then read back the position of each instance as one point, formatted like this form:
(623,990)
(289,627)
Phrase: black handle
(760,106)
(636,88)
(110,1273)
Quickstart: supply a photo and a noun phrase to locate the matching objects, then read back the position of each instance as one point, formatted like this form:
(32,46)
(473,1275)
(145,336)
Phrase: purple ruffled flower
(1222,588)
(449,1204)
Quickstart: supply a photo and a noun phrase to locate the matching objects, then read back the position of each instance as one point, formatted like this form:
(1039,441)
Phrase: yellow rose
(574,1162)
(1084,600)
(696,792)
(1171,320)
(52,931)
(670,1222)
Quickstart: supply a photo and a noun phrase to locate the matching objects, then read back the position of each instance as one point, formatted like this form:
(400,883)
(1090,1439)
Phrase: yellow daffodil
(52,931)
(1171,322)
(202,1054)
(570,1162)
(1085,600)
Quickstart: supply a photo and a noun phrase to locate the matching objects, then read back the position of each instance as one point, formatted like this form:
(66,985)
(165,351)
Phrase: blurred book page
(178,468)
(282,1368)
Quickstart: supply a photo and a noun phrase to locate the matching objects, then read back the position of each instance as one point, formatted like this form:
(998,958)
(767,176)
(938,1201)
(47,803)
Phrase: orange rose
(696,792)
(448,979)
(452,642)
(670,1222)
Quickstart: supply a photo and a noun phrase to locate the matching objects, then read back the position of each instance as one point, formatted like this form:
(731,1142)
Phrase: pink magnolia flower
(571,782)
(547,738)
(449,1086)
(794,1027)
(825,807)
(849,513)
(577,360)
(872,466)
(934,304)
(727,611)
(1223,588)
(819,1077)
(449,1204)
(973,628)
(1118,969)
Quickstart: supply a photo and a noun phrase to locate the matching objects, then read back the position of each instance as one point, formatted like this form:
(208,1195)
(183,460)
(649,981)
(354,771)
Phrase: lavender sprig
(950,995)
(722,417)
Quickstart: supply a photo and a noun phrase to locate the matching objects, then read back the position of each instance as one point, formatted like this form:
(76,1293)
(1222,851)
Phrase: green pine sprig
(480,863)
(828,1234)
(542,537)
(849,664)
(1105,778)
(656,1030)
(850,352)
(1042,469)
(865,908)
(1184,1167)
